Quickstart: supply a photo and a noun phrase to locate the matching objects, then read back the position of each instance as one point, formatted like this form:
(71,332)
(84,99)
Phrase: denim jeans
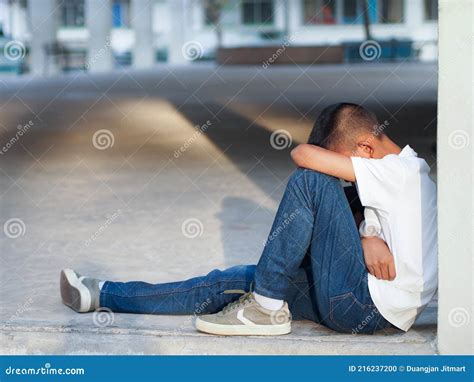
(312,259)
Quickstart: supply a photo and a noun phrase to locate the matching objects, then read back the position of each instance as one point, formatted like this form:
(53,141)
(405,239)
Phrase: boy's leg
(198,295)
(205,294)
(314,223)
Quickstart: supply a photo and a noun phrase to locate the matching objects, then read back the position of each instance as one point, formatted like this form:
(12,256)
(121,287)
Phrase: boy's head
(346,128)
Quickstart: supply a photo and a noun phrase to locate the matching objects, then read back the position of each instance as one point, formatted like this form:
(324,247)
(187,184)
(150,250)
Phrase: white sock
(267,302)
(101,284)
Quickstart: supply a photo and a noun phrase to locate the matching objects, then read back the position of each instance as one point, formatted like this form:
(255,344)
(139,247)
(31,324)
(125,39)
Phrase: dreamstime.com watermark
(276,55)
(97,56)
(20,310)
(47,369)
(20,131)
(377,131)
(103,227)
(366,321)
(200,309)
(200,130)
(288,219)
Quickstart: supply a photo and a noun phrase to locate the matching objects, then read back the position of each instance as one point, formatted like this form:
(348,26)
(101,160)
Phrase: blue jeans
(312,259)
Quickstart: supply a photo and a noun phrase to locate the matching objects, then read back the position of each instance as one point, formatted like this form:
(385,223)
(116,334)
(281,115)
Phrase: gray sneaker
(246,317)
(80,293)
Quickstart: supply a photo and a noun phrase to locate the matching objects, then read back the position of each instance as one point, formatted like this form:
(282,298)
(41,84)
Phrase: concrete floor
(119,213)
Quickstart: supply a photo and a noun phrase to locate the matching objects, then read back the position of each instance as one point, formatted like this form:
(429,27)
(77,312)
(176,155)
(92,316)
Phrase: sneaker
(245,317)
(80,293)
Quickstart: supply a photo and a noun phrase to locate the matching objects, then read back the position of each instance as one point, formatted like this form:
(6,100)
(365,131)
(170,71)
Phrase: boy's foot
(80,293)
(245,317)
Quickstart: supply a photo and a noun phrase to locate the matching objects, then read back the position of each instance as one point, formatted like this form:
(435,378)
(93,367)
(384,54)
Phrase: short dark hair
(337,125)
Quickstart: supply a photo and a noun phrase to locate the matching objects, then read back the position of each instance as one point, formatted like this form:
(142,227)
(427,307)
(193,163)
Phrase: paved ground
(117,210)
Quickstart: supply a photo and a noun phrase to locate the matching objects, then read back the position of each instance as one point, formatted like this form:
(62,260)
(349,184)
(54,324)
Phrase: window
(212,10)
(121,13)
(391,11)
(431,10)
(352,12)
(72,13)
(319,11)
(379,11)
(257,12)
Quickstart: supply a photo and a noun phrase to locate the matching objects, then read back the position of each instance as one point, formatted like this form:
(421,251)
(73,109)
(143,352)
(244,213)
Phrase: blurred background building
(56,34)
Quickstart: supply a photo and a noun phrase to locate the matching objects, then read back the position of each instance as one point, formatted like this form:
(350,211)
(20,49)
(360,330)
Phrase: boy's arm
(325,161)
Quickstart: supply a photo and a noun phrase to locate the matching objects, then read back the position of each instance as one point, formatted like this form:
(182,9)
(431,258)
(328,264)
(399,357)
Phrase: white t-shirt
(399,194)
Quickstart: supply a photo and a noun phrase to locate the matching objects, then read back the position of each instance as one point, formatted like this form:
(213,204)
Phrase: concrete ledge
(162,338)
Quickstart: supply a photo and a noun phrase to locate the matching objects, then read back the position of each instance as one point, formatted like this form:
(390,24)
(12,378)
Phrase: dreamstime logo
(278,317)
(281,139)
(371,230)
(103,317)
(459,317)
(14,50)
(370,226)
(370,50)
(192,50)
(192,228)
(103,139)
(14,228)
(458,139)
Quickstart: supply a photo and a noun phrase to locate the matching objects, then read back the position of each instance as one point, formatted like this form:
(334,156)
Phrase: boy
(315,263)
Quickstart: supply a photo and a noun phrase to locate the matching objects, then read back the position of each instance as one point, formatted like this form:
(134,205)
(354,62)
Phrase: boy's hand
(378,258)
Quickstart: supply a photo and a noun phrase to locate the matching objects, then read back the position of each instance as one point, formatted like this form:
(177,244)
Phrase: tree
(213,9)
(365,12)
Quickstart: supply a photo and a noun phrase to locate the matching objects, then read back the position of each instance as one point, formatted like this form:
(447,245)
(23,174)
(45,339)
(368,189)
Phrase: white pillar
(294,19)
(280,8)
(142,23)
(178,45)
(19,19)
(99,25)
(455,188)
(414,14)
(44,22)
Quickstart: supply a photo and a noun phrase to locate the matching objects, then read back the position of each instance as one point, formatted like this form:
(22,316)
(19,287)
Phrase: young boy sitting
(315,262)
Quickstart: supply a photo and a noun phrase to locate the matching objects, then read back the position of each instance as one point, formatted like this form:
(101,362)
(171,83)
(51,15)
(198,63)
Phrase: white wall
(455,172)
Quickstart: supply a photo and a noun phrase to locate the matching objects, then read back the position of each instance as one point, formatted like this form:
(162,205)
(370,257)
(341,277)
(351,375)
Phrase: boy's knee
(307,176)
